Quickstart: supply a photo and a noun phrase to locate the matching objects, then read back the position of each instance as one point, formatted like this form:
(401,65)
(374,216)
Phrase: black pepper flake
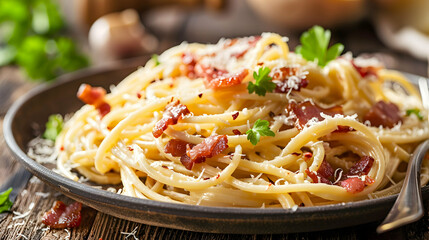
(200,95)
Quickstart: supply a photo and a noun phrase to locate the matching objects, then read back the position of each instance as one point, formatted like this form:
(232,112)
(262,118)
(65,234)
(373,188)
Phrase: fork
(408,206)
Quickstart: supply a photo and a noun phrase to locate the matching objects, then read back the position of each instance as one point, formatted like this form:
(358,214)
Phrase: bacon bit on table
(62,216)
(94,96)
(281,77)
(173,112)
(208,148)
(305,111)
(176,147)
(383,114)
(235,115)
(353,185)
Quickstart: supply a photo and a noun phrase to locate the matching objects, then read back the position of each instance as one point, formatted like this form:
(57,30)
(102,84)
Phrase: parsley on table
(5,203)
(53,127)
(315,46)
(263,82)
(155,59)
(31,37)
(416,112)
(260,128)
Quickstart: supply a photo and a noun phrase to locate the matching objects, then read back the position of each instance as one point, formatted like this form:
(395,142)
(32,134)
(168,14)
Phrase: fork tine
(424,91)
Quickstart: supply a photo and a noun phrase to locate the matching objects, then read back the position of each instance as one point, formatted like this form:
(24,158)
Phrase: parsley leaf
(5,203)
(53,127)
(263,82)
(31,37)
(416,112)
(155,59)
(315,46)
(260,128)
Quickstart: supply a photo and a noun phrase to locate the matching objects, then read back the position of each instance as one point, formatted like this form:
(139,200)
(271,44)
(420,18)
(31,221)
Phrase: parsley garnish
(31,37)
(315,46)
(5,203)
(155,59)
(263,82)
(53,127)
(416,112)
(260,128)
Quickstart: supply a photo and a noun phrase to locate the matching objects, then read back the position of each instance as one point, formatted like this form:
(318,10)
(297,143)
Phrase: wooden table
(97,225)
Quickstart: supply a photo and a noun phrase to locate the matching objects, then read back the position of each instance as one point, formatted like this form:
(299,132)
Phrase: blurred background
(46,38)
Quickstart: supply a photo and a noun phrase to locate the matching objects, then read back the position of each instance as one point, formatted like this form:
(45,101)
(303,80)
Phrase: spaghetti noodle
(175,130)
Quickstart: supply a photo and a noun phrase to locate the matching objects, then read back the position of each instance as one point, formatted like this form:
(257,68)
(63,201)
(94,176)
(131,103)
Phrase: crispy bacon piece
(353,185)
(344,129)
(361,167)
(94,96)
(305,111)
(325,170)
(173,112)
(188,65)
(62,216)
(218,78)
(252,43)
(208,148)
(282,78)
(366,71)
(383,114)
(176,147)
(317,177)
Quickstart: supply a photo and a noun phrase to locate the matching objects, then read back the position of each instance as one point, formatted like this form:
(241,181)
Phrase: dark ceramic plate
(60,97)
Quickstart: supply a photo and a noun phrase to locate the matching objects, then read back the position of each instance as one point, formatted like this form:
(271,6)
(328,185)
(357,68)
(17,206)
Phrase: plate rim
(187,210)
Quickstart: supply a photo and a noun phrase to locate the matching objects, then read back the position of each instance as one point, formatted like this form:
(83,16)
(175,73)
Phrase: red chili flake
(208,148)
(236,132)
(173,112)
(130,148)
(353,185)
(383,114)
(171,85)
(218,176)
(62,216)
(305,111)
(296,154)
(206,178)
(103,109)
(368,180)
(235,115)
(362,167)
(200,95)
(62,148)
(139,95)
(165,167)
(307,154)
(176,147)
(260,63)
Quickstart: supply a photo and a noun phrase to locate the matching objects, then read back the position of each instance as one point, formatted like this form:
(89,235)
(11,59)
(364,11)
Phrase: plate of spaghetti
(241,136)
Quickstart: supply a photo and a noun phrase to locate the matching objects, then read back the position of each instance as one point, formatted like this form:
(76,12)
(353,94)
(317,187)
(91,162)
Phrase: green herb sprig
(5,203)
(416,112)
(54,125)
(263,82)
(260,128)
(156,59)
(31,37)
(314,46)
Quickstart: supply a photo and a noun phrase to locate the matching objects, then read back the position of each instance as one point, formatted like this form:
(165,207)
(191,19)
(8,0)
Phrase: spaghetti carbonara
(247,123)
